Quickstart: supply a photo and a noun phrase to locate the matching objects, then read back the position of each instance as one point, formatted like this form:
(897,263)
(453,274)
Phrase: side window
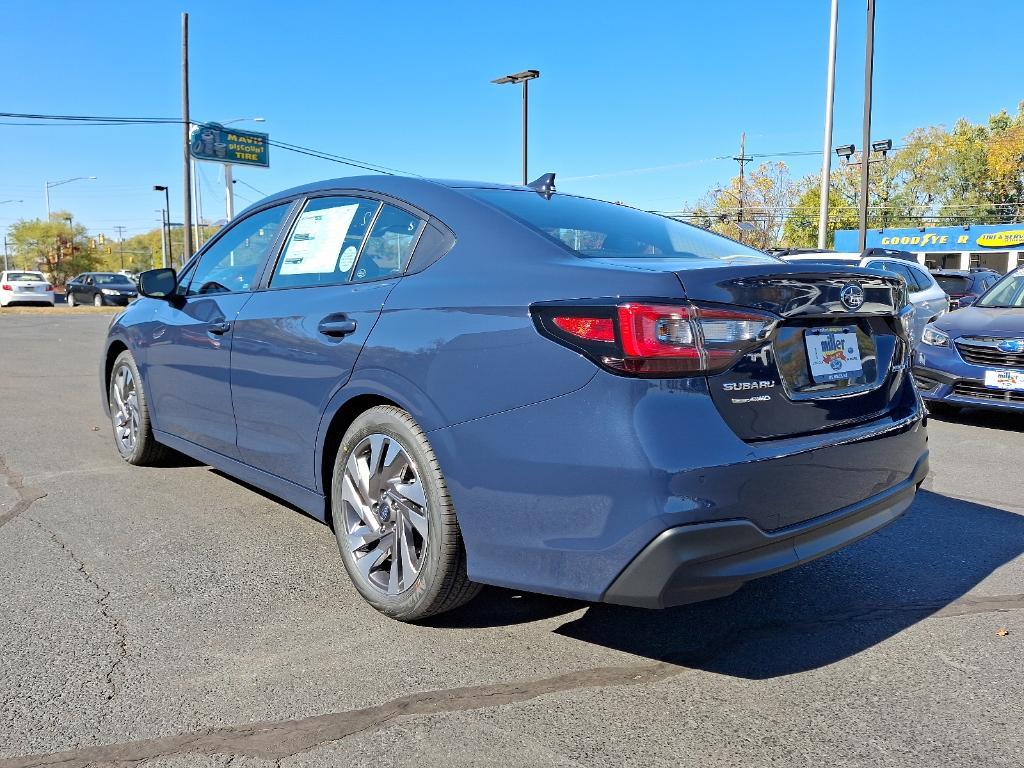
(231,263)
(324,242)
(922,280)
(389,245)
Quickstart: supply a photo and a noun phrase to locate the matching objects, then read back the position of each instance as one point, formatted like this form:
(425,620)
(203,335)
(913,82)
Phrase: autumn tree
(58,247)
(762,199)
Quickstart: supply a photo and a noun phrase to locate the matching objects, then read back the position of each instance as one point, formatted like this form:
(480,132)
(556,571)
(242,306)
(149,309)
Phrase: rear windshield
(23,277)
(953,283)
(110,279)
(1008,293)
(595,228)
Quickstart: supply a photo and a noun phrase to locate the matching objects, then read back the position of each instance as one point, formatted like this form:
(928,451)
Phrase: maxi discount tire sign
(215,143)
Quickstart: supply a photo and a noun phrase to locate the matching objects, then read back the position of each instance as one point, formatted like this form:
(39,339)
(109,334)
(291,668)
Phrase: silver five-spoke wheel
(384,521)
(125,409)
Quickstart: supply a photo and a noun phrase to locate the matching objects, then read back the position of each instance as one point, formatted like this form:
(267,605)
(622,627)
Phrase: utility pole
(163,238)
(743,159)
(826,155)
(869,61)
(229,192)
(187,156)
(6,257)
(120,242)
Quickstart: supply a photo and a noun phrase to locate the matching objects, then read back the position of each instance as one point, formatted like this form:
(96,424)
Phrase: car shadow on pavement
(808,617)
(1007,421)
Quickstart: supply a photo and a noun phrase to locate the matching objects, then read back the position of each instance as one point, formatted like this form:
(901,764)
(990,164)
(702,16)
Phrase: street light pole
(869,60)
(826,153)
(523,77)
(48,184)
(166,222)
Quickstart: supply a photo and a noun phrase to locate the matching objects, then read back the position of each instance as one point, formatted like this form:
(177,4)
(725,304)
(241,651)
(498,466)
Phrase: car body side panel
(188,368)
(558,497)
(284,371)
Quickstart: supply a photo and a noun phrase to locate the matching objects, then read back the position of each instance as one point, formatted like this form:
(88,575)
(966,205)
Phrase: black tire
(145,451)
(70,297)
(97,300)
(441,583)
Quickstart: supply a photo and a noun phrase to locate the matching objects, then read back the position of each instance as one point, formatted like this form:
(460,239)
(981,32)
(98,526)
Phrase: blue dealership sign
(214,142)
(973,237)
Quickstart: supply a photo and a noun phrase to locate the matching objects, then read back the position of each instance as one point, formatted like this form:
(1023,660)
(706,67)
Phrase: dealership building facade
(992,246)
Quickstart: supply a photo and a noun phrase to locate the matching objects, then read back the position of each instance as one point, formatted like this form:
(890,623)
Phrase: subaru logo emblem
(852,296)
(1011,345)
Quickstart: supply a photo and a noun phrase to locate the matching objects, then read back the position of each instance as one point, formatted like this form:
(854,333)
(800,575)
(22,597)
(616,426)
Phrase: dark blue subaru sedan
(975,357)
(486,384)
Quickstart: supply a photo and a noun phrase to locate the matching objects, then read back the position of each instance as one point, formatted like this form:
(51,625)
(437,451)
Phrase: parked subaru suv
(491,384)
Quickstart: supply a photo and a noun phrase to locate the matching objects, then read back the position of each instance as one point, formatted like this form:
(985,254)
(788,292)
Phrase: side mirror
(158,283)
(966,301)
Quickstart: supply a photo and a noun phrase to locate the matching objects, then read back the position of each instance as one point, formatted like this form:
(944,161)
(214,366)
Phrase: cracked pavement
(173,617)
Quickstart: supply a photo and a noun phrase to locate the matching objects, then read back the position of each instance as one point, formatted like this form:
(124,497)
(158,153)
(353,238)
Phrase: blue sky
(635,100)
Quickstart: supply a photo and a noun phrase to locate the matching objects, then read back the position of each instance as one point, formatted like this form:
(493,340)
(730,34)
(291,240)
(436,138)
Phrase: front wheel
(129,414)
(71,300)
(97,300)
(396,527)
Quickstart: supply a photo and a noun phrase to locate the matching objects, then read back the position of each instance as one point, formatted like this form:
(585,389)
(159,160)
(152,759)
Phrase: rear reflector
(590,328)
(655,339)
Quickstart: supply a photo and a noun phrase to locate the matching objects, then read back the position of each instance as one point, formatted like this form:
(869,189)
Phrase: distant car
(963,286)
(24,287)
(101,289)
(976,356)
(477,383)
(926,296)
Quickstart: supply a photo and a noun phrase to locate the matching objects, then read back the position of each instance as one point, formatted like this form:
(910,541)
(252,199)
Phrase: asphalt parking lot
(174,617)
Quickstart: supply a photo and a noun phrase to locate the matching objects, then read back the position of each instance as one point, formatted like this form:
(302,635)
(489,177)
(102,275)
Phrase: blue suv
(491,384)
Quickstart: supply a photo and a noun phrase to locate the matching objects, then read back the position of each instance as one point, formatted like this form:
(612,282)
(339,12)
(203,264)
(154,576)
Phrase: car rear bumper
(691,563)
(26,298)
(561,496)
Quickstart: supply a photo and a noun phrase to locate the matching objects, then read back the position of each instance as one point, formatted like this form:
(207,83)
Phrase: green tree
(57,247)
(762,199)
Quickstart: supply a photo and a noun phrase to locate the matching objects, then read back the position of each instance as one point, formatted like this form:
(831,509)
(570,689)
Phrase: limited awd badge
(852,296)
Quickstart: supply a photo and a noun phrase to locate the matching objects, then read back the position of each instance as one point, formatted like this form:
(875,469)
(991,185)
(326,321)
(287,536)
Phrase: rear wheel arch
(342,419)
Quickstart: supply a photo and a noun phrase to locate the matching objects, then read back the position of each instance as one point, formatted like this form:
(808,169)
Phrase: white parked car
(926,296)
(21,286)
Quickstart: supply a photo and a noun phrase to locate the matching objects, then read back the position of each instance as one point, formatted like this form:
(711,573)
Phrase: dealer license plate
(833,353)
(1004,379)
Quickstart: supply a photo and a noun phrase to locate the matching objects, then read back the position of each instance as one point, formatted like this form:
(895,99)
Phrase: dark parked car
(976,356)
(100,289)
(964,286)
(476,383)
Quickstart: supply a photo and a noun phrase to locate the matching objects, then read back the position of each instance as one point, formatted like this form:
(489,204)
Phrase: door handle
(219,329)
(337,326)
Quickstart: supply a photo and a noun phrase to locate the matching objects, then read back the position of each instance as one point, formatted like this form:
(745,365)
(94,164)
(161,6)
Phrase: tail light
(5,287)
(49,287)
(644,339)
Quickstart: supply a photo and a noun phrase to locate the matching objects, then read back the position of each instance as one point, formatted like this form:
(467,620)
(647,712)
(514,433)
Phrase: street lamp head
(518,77)
(846,151)
(881,146)
(158,188)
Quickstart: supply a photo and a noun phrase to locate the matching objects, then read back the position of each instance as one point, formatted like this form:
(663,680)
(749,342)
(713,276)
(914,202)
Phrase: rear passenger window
(325,242)
(920,278)
(389,245)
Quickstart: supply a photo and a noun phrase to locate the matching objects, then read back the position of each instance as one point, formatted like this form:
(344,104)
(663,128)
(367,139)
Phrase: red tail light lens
(49,287)
(656,339)
(5,287)
(589,328)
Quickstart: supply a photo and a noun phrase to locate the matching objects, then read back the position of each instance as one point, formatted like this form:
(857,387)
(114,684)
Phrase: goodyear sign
(214,142)
(975,237)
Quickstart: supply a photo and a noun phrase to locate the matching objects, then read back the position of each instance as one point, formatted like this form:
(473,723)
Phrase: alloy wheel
(384,522)
(125,409)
